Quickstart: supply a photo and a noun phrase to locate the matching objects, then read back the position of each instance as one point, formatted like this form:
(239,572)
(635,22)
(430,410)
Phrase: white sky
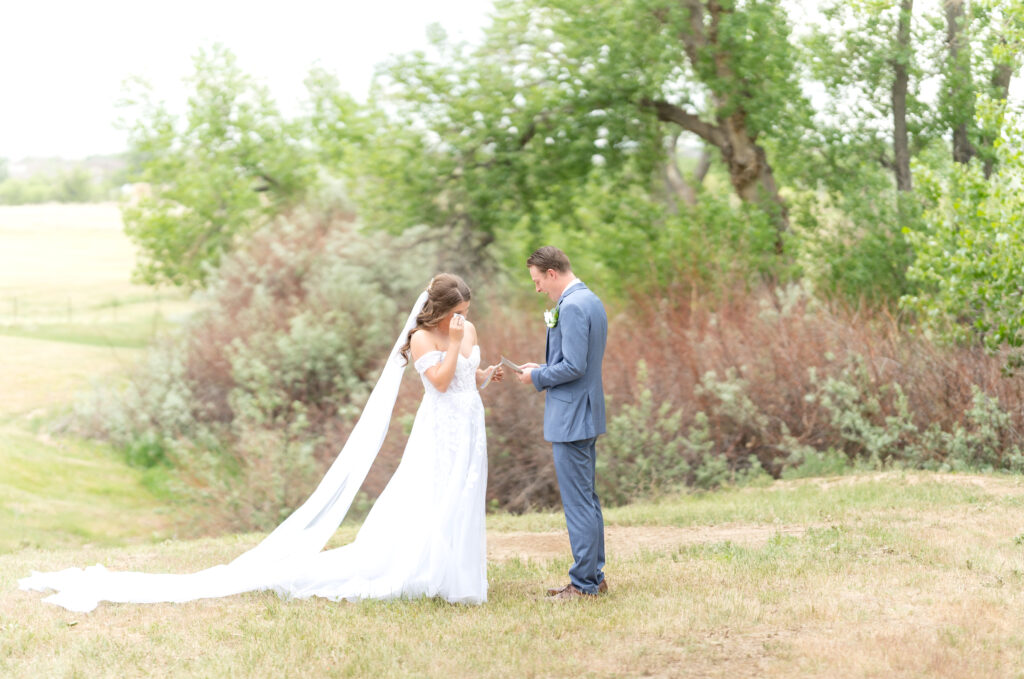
(63,62)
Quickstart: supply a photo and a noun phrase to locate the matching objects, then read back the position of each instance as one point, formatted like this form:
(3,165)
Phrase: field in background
(70,316)
(69,312)
(69,267)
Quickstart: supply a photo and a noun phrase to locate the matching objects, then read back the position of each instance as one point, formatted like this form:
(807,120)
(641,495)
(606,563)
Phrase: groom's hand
(524,376)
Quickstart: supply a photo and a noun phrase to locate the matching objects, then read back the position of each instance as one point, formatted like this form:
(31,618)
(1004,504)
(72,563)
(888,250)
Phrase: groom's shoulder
(589,296)
(585,300)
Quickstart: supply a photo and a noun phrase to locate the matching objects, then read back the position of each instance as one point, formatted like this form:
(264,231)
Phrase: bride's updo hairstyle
(445,292)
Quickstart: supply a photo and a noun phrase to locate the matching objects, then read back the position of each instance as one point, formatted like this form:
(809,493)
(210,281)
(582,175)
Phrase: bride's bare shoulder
(421,343)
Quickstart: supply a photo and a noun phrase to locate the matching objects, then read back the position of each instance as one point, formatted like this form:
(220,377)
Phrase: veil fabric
(299,537)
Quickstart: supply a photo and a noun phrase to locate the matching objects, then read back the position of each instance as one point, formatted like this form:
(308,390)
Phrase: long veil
(299,537)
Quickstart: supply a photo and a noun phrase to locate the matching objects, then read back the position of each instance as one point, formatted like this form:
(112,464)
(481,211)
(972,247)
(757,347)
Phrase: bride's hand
(457,329)
(499,372)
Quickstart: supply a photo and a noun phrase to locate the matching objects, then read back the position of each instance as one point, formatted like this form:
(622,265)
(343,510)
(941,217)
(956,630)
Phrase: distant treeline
(57,180)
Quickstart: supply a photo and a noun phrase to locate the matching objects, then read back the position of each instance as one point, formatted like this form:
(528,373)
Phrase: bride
(425,534)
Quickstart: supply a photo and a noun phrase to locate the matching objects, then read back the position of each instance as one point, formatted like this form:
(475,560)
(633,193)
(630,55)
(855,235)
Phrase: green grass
(129,334)
(69,316)
(66,492)
(69,313)
(790,502)
(894,575)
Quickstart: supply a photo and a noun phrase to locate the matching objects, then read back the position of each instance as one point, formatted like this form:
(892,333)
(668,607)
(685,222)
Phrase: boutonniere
(551,317)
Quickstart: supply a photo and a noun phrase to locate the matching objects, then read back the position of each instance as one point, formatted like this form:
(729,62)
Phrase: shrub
(254,396)
(646,450)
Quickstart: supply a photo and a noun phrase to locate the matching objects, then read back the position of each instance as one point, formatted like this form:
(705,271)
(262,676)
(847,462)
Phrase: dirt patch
(625,540)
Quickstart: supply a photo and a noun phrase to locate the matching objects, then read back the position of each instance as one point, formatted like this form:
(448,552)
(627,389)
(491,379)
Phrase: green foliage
(810,463)
(548,133)
(645,452)
(335,124)
(850,239)
(712,472)
(221,172)
(853,53)
(854,400)
(980,443)
(625,241)
(649,451)
(968,258)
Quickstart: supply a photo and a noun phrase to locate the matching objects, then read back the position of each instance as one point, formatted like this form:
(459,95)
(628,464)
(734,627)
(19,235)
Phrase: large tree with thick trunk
(560,87)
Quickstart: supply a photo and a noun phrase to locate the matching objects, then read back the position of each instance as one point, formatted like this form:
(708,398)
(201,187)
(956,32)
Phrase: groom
(573,410)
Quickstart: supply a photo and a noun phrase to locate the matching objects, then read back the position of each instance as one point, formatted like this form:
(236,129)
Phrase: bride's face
(462,309)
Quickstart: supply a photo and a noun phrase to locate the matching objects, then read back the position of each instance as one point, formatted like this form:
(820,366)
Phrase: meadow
(869,574)
(894,575)
(70,317)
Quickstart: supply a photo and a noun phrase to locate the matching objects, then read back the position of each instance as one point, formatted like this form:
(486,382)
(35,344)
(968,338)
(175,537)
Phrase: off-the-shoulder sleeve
(428,359)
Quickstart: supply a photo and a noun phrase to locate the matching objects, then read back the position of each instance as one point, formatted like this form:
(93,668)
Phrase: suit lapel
(547,342)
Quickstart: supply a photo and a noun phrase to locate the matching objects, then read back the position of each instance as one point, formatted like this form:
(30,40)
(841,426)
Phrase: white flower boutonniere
(551,317)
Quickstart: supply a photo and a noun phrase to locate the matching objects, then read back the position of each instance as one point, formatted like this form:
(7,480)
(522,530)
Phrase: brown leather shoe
(555,591)
(601,589)
(571,592)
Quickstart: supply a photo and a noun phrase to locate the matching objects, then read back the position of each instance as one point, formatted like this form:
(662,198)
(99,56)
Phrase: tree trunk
(749,171)
(900,85)
(959,89)
(1002,72)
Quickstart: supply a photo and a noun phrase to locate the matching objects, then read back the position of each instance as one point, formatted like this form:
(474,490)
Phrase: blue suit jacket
(574,403)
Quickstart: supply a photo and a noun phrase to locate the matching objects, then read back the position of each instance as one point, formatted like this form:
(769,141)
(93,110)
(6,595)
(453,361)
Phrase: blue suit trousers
(576,467)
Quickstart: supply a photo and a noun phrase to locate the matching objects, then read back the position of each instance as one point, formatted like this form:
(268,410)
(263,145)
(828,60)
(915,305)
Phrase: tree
(216,175)
(867,55)
(734,51)
(901,80)
(562,89)
(985,39)
(723,72)
(968,258)
(958,99)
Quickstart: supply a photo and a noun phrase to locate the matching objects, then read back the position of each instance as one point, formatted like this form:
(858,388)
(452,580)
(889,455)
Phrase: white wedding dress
(424,536)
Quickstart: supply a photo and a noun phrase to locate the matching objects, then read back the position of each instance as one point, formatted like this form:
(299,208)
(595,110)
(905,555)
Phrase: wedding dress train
(424,535)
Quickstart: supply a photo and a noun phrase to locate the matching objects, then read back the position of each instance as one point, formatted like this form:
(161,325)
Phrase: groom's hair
(549,257)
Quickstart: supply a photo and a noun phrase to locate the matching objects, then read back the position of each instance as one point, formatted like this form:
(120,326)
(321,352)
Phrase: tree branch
(670,113)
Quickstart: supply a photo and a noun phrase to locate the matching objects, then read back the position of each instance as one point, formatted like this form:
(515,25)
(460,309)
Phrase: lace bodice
(465,371)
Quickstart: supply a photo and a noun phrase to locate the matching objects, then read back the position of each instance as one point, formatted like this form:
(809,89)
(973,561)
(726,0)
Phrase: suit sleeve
(575,343)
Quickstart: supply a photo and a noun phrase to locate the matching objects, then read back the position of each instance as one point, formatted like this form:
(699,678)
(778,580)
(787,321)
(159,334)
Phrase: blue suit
(573,419)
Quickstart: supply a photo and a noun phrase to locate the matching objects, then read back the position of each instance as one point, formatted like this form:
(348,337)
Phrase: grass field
(868,575)
(70,316)
(874,575)
(69,312)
